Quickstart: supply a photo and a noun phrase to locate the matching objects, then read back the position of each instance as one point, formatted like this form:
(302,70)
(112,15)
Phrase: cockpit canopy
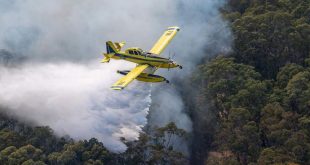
(134,51)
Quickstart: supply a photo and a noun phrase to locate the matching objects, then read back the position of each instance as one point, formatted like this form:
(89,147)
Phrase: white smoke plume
(65,89)
(75,99)
(204,34)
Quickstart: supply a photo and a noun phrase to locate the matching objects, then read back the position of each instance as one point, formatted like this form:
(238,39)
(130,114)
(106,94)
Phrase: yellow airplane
(147,62)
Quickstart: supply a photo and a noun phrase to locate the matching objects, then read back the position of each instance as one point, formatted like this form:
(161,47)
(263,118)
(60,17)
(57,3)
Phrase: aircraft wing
(164,40)
(124,81)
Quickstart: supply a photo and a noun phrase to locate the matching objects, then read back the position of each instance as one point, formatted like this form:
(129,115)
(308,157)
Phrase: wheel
(167,81)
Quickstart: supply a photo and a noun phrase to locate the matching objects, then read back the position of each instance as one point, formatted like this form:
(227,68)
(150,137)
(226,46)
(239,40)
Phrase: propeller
(173,55)
(170,57)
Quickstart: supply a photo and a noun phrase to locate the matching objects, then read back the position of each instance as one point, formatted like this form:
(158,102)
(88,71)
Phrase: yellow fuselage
(149,59)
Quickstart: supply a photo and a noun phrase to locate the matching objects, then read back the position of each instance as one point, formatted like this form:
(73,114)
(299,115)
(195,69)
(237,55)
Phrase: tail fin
(111,51)
(110,47)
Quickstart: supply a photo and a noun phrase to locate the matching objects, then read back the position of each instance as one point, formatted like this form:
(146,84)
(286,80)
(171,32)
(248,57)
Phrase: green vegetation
(270,34)
(258,120)
(259,96)
(253,106)
(21,144)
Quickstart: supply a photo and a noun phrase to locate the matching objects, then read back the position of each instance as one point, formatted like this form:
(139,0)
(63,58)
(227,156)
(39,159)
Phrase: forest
(253,106)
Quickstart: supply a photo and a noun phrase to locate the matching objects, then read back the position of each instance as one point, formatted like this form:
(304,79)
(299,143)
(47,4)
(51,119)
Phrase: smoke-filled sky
(75,99)
(64,86)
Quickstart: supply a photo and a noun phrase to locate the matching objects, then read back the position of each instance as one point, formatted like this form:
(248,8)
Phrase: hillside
(254,104)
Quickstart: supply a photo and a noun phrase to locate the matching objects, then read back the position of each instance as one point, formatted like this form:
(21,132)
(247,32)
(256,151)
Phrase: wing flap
(164,40)
(124,81)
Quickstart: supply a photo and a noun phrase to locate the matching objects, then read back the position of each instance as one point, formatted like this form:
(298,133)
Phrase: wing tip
(117,88)
(174,28)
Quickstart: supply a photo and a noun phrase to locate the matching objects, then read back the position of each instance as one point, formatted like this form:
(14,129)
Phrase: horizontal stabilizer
(105,60)
(107,57)
(119,45)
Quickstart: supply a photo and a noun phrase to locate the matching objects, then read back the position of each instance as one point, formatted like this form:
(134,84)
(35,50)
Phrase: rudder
(110,47)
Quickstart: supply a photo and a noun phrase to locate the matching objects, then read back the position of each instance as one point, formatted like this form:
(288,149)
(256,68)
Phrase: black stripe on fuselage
(152,56)
(143,59)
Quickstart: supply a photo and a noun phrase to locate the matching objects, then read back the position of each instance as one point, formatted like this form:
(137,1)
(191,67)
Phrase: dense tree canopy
(21,144)
(270,34)
(260,92)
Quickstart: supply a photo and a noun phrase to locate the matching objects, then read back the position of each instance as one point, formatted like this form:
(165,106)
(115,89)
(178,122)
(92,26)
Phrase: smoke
(75,99)
(64,87)
(204,34)
(78,29)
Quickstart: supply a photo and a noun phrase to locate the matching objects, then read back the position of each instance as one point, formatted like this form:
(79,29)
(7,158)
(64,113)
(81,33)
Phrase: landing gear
(167,81)
(180,66)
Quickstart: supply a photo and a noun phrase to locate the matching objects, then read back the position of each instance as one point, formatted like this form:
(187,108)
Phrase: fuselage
(146,58)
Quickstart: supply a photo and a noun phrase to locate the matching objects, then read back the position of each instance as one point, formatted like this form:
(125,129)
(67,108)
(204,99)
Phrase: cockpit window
(137,52)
